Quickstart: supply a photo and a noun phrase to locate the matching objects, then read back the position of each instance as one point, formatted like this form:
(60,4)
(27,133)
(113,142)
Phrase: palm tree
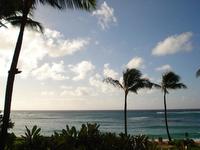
(198,73)
(132,82)
(26,7)
(170,80)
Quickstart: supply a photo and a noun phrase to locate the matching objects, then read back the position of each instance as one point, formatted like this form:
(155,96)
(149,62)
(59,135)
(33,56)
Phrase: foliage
(11,136)
(7,8)
(170,80)
(186,144)
(10,126)
(132,81)
(198,73)
(88,137)
(32,139)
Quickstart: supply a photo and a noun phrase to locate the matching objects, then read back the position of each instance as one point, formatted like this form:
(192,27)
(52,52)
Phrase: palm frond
(34,25)
(16,21)
(178,86)
(198,73)
(87,5)
(9,8)
(156,85)
(115,83)
(140,84)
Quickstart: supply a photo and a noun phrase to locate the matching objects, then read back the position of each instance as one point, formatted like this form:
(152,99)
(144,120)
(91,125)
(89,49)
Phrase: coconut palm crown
(132,82)
(170,80)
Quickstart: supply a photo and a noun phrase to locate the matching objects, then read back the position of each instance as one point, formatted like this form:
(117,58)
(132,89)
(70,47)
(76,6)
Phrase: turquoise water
(139,122)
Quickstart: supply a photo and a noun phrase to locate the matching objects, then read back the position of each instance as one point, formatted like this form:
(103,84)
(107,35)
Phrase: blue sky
(63,69)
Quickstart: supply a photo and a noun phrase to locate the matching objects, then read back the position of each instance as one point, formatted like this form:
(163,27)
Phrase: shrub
(88,137)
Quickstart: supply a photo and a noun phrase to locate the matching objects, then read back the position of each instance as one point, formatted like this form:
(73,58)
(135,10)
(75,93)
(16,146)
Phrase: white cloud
(148,91)
(35,47)
(81,69)
(54,72)
(79,91)
(174,44)
(164,68)
(136,62)
(97,82)
(58,46)
(47,93)
(105,15)
(107,72)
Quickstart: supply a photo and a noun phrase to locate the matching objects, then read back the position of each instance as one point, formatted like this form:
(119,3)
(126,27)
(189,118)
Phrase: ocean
(149,122)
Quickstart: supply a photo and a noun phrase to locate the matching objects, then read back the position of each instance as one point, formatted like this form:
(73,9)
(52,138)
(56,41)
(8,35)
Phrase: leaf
(115,83)
(28,132)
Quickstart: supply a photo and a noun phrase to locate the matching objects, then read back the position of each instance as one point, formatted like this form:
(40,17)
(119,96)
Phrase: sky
(63,68)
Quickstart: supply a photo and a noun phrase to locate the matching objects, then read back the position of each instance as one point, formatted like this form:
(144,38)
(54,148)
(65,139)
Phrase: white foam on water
(138,118)
(182,112)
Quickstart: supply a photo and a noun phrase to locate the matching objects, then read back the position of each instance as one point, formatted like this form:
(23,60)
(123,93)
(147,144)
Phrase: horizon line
(104,109)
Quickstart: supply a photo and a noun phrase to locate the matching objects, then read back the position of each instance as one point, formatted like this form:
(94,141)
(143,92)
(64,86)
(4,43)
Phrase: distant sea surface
(149,122)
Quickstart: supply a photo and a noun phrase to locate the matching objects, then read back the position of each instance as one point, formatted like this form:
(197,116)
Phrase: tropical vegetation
(132,82)
(89,137)
(7,9)
(170,81)
(19,14)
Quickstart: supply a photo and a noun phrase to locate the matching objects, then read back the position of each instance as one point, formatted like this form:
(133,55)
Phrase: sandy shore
(165,144)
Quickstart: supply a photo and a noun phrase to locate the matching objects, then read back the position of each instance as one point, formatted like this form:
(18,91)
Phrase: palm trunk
(10,82)
(125,113)
(165,105)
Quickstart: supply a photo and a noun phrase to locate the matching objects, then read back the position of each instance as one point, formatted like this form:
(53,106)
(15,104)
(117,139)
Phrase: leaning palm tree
(170,80)
(132,82)
(198,73)
(26,8)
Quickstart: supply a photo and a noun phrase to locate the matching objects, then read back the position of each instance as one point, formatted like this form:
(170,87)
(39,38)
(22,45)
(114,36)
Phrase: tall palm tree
(170,80)
(198,73)
(132,82)
(26,8)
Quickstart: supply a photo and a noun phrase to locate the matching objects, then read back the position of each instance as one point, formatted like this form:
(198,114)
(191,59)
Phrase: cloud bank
(55,72)
(35,48)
